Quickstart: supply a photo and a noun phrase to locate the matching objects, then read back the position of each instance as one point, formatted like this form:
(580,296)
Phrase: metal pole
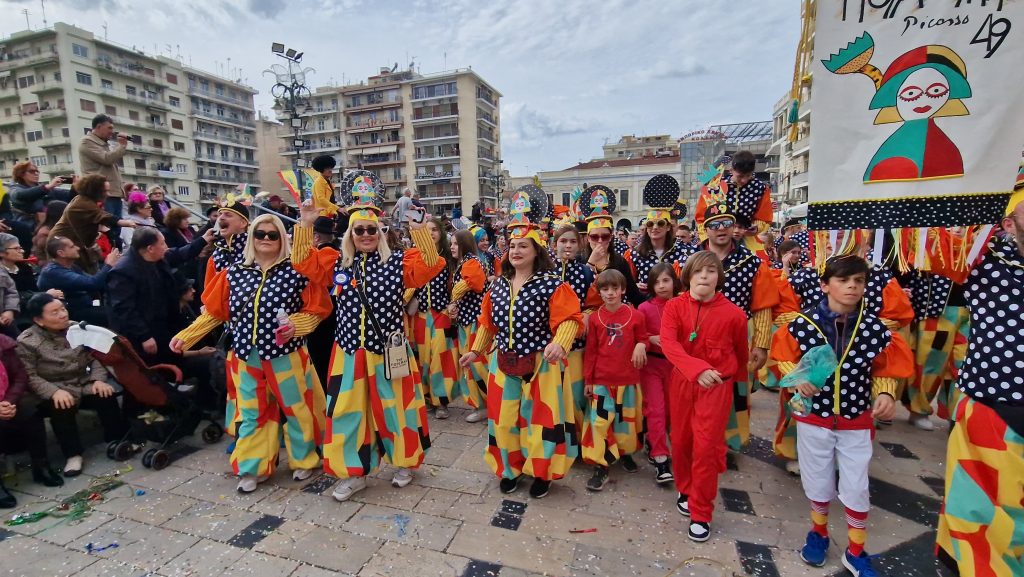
(186,207)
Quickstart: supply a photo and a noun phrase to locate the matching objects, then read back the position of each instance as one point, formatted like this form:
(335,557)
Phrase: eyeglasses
(656,223)
(33,171)
(18,247)
(267,235)
(719,224)
(605,237)
(364,230)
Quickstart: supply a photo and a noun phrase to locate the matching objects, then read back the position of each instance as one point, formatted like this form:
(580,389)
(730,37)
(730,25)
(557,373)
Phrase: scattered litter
(151,416)
(75,507)
(590,530)
(90,548)
(139,492)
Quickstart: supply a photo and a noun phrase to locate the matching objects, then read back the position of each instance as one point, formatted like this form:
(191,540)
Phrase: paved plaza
(188,520)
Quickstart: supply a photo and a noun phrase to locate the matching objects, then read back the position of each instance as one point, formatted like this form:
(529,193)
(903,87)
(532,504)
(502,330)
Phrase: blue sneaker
(859,566)
(814,550)
(230,448)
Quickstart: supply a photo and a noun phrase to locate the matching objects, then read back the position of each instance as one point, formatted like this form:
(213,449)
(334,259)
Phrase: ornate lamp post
(292,98)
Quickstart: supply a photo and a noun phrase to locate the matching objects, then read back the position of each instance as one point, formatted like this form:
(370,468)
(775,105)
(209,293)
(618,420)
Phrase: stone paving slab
(453,521)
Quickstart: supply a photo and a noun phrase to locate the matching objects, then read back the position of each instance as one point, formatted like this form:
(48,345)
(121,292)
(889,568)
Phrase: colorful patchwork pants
(981,526)
(610,425)
(267,391)
(437,357)
(531,426)
(784,442)
(737,430)
(655,385)
(941,346)
(699,418)
(572,381)
(370,417)
(233,367)
(473,384)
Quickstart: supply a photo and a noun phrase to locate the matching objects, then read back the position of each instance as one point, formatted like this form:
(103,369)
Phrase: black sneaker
(647,451)
(664,472)
(47,476)
(683,505)
(629,464)
(699,531)
(540,488)
(508,485)
(596,483)
(7,500)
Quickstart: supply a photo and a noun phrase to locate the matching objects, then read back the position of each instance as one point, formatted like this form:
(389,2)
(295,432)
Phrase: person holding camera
(27,197)
(97,157)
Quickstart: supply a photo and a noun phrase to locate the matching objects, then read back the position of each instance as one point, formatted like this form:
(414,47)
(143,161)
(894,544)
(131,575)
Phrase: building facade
(702,148)
(633,146)
(54,81)
(374,126)
(269,159)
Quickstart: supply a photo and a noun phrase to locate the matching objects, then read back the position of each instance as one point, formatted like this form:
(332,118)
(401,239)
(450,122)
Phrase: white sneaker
(301,474)
(73,467)
(442,413)
(348,487)
(793,468)
(248,483)
(922,422)
(402,478)
(476,416)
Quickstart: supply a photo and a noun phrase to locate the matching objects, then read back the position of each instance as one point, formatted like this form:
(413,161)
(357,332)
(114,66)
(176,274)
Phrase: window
(133,114)
(177,124)
(624,198)
(83,78)
(140,163)
(26,81)
(566,199)
(56,76)
(158,143)
(39,160)
(130,90)
(321,124)
(174,101)
(179,146)
(106,84)
(79,50)
(181,168)
(220,90)
(183,191)
(172,78)
(357,101)
(110,110)
(65,132)
(87,105)
(34,135)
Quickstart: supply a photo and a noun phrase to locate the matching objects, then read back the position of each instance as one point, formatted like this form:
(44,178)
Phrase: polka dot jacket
(469,304)
(382,284)
(619,246)
(753,201)
(527,319)
(579,277)
(253,301)
(867,338)
(993,371)
(227,252)
(642,265)
(930,294)
(806,284)
(436,294)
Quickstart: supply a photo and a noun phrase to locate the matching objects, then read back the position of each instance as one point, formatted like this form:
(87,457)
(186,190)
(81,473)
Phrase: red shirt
(653,310)
(721,341)
(611,338)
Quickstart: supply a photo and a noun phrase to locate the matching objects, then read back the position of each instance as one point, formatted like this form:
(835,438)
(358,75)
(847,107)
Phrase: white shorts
(819,450)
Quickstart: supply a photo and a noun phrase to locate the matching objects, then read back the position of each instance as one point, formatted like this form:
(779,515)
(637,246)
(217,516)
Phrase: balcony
(356,145)
(441,119)
(218,137)
(60,168)
(371,124)
(247,104)
(54,142)
(324,110)
(488,138)
(230,180)
(371,160)
(129,69)
(802,147)
(453,136)
(225,159)
(452,156)
(453,94)
(485,99)
(438,175)
(288,150)
(224,119)
(798,180)
(10,120)
(49,113)
(30,60)
(486,119)
(375,106)
(805,110)
(148,149)
(485,154)
(44,87)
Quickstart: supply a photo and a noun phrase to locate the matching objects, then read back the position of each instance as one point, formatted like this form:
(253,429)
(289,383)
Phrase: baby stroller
(170,415)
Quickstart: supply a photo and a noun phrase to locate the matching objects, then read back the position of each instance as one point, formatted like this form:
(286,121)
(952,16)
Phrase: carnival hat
(362,195)
(527,210)
(717,211)
(661,194)
(1017,196)
(791,223)
(597,203)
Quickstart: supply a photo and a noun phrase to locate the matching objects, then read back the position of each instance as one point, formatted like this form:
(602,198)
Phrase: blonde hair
(348,246)
(249,255)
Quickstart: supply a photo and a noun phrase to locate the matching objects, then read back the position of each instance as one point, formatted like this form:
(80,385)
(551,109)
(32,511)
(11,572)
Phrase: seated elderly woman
(140,211)
(82,219)
(66,379)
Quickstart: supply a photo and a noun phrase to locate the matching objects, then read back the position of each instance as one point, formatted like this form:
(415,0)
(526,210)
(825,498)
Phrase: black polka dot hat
(661,194)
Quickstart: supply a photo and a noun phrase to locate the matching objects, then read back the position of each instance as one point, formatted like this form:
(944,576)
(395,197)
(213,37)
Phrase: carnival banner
(918,112)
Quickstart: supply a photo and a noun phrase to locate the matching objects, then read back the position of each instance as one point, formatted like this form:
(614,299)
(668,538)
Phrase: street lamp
(292,98)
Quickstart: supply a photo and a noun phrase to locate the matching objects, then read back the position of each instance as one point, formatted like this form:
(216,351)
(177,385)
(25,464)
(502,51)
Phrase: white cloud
(523,127)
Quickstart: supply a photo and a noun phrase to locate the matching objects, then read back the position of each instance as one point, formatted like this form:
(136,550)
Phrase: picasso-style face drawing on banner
(923,84)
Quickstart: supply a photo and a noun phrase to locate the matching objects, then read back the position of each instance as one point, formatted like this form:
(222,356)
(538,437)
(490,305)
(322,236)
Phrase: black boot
(7,500)
(42,473)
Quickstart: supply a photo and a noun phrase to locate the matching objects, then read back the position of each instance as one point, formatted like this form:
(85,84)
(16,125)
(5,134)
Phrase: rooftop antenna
(42,4)
(104,29)
(25,12)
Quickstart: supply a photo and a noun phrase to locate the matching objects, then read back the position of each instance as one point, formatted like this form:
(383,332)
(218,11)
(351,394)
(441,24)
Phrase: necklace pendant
(693,336)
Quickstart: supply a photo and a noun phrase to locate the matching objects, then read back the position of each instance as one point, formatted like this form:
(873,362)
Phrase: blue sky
(573,73)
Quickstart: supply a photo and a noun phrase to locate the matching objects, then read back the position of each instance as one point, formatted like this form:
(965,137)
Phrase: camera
(67,179)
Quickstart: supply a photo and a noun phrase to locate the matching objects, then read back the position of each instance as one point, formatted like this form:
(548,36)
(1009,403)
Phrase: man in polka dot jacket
(838,429)
(980,527)
(747,197)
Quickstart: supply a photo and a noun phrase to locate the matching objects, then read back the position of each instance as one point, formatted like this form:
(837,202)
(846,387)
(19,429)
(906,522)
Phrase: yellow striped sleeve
(302,242)
(198,329)
(422,240)
(785,367)
(566,333)
(305,323)
(762,328)
(459,290)
(484,338)
(890,324)
(407,296)
(785,318)
(885,385)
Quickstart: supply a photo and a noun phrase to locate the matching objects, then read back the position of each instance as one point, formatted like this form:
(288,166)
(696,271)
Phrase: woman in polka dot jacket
(528,312)
(657,244)
(369,417)
(271,366)
(467,294)
(581,278)
(980,525)
(838,429)
(435,350)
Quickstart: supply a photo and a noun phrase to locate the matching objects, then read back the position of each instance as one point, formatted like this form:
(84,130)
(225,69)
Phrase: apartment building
(375,137)
(54,81)
(269,158)
(323,128)
(633,146)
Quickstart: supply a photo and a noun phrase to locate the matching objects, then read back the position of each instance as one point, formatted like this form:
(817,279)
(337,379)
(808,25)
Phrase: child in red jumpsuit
(663,284)
(704,336)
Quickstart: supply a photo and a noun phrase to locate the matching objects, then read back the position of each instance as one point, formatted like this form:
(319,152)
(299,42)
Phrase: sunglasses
(364,230)
(267,235)
(719,224)
(600,237)
(656,223)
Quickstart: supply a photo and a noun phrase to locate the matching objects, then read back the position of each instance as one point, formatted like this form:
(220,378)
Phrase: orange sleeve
(316,301)
(486,319)
(215,297)
(306,259)
(788,301)
(698,215)
(896,361)
(564,306)
(765,294)
(211,271)
(416,272)
(896,305)
(474,275)
(764,208)
(678,269)
(593,299)
(784,350)
(629,260)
